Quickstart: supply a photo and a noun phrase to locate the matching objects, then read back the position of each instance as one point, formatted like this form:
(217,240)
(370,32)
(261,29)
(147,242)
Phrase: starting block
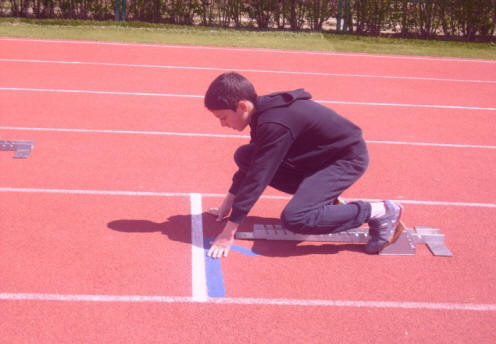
(405,245)
(22,149)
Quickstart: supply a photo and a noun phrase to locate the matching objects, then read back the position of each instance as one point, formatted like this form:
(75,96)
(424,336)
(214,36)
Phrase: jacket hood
(280,99)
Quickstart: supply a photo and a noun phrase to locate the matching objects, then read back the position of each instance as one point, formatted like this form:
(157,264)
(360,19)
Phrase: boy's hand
(220,214)
(222,244)
(224,210)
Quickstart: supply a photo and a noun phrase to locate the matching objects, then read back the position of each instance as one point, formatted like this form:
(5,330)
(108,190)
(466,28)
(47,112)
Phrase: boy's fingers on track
(218,213)
(217,252)
(220,218)
(213,211)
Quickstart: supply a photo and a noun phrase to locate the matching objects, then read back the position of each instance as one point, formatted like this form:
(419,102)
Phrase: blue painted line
(215,278)
(243,250)
(213,270)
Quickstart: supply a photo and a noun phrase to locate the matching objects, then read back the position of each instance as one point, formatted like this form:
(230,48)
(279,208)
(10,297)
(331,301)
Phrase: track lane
(290,270)
(194,323)
(343,271)
(250,59)
(179,82)
(134,113)
(205,165)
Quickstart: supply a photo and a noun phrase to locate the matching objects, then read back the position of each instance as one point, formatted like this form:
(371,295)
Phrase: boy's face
(237,120)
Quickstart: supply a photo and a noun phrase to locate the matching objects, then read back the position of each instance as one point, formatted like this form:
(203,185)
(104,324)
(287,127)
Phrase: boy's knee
(242,156)
(292,220)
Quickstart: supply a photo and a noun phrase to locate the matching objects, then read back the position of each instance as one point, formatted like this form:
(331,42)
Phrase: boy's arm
(271,146)
(270,152)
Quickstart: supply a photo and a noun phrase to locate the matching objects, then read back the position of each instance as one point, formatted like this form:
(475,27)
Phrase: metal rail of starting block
(22,149)
(405,245)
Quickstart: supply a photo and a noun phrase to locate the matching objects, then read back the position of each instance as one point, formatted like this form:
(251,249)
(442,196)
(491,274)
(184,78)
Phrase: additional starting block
(22,149)
(405,245)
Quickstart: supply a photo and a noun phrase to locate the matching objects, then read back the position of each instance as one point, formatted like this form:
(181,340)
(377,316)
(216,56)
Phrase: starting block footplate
(405,244)
(22,149)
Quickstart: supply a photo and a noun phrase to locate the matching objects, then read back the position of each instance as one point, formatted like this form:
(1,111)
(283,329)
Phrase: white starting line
(199,278)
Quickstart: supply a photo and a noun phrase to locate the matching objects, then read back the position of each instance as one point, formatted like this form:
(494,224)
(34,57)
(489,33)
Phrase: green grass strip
(211,36)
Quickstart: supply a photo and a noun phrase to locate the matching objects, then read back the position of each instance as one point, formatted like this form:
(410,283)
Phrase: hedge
(458,19)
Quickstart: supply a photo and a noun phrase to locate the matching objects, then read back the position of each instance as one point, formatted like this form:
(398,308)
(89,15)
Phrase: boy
(299,147)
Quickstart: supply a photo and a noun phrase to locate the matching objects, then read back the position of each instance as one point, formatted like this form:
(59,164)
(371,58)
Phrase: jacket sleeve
(237,180)
(272,143)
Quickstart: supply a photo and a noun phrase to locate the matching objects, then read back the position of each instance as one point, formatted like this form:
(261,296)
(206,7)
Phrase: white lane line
(171,133)
(199,279)
(250,50)
(23,89)
(98,192)
(133,132)
(218,195)
(480,307)
(431,144)
(241,70)
(440,203)
(118,93)
(429,106)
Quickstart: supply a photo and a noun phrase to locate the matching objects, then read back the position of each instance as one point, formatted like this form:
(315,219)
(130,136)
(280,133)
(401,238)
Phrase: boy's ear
(244,105)
(241,106)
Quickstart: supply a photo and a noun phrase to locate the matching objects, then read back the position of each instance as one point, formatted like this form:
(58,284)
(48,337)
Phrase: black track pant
(311,208)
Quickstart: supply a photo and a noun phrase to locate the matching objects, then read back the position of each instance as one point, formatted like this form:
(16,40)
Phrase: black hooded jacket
(290,128)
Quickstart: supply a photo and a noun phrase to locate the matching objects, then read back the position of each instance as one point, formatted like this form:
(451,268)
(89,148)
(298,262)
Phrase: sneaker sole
(400,227)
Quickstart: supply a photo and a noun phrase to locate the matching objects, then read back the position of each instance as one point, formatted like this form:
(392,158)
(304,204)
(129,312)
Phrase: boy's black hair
(227,90)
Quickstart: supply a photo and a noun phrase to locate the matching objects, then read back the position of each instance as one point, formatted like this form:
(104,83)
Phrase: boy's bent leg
(242,158)
(286,178)
(311,209)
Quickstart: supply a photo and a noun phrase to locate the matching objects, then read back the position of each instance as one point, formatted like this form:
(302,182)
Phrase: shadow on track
(177,228)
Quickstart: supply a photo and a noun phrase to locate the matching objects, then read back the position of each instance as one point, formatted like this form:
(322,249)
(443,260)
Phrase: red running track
(69,243)
(172,114)
(173,81)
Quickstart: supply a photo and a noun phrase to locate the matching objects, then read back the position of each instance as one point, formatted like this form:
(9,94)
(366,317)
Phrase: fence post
(120,10)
